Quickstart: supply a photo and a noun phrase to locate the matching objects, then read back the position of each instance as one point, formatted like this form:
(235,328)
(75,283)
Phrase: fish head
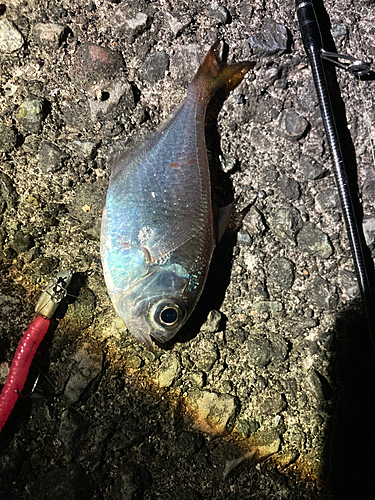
(156,305)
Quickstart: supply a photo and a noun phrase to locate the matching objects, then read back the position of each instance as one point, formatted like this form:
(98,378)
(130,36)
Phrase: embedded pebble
(273,404)
(259,141)
(266,441)
(290,188)
(217,411)
(313,384)
(177,22)
(369,230)
(258,348)
(253,221)
(21,242)
(271,306)
(49,34)
(313,240)
(291,125)
(348,284)
(185,62)
(210,356)
(131,20)
(85,149)
(51,158)
(218,12)
(8,195)
(93,63)
(87,367)
(154,67)
(327,199)
(213,322)
(273,38)
(31,115)
(321,293)
(285,224)
(169,370)
(108,95)
(80,313)
(311,169)
(8,139)
(281,272)
(10,38)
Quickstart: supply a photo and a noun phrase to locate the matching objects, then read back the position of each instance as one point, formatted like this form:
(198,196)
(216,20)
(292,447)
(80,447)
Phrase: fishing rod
(313,45)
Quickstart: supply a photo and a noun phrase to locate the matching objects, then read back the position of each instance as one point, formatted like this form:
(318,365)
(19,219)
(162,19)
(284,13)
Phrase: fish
(158,228)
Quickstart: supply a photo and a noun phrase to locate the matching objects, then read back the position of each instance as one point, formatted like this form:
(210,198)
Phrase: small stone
(290,188)
(33,201)
(266,441)
(177,22)
(271,306)
(273,404)
(273,38)
(131,20)
(281,272)
(271,75)
(253,221)
(369,230)
(51,158)
(108,95)
(31,115)
(169,370)
(285,224)
(79,315)
(291,125)
(85,149)
(311,169)
(218,12)
(8,139)
(21,242)
(258,348)
(327,199)
(244,238)
(49,34)
(154,67)
(206,362)
(87,367)
(348,283)
(215,411)
(8,195)
(213,322)
(339,32)
(185,62)
(259,141)
(314,385)
(10,38)
(246,427)
(311,239)
(321,293)
(195,379)
(93,64)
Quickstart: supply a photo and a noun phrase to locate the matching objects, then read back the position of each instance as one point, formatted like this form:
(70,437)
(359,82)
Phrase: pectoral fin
(225,214)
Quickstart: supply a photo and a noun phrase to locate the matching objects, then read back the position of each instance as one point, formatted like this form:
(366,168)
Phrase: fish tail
(214,74)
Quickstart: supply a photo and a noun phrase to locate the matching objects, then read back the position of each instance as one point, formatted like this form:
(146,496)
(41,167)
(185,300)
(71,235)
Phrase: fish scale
(158,231)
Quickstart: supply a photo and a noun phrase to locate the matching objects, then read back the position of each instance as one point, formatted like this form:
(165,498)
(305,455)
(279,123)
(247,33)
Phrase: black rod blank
(312,42)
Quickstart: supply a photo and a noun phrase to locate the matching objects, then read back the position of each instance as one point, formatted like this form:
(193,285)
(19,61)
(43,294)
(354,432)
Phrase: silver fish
(158,232)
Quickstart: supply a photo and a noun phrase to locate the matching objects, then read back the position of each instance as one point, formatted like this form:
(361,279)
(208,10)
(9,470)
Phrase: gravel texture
(267,393)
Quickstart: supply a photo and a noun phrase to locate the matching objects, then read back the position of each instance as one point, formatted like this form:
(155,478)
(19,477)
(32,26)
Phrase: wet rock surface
(267,391)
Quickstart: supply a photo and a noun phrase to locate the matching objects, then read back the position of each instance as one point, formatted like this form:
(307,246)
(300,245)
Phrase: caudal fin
(214,73)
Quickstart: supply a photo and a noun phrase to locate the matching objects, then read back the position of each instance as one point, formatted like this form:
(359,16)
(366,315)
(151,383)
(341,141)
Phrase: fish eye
(167,313)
